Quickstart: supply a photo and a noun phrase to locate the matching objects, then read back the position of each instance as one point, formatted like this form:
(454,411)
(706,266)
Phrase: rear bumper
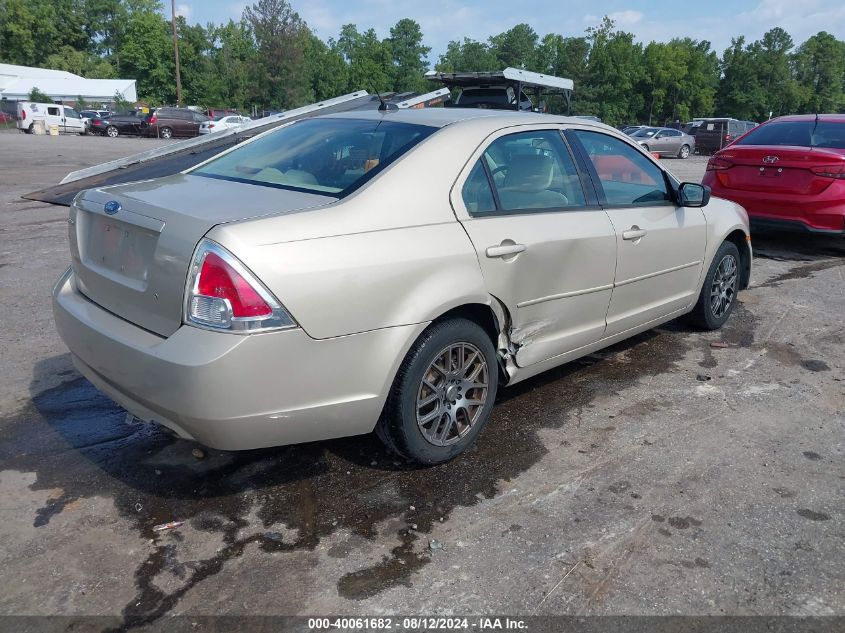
(232,391)
(791,225)
(824,213)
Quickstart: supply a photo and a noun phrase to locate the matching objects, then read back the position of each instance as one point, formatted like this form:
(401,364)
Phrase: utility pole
(176,51)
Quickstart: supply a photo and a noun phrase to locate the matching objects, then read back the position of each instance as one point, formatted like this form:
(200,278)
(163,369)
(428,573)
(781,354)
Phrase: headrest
(529,172)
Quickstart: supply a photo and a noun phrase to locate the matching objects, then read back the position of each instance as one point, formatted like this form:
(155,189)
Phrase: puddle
(76,440)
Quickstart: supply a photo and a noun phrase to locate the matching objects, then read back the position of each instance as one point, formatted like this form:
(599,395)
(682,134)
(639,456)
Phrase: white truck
(65,118)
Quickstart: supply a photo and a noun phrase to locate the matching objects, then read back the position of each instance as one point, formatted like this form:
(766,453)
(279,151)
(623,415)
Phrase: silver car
(384,271)
(665,141)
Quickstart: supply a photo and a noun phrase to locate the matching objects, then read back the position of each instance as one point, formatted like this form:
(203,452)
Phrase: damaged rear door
(546,249)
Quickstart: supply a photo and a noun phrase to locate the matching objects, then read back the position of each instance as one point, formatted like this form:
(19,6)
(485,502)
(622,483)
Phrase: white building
(16,82)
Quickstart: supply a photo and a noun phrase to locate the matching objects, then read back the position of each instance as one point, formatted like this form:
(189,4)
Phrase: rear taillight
(211,125)
(223,294)
(718,164)
(23,115)
(728,137)
(830,171)
(96,122)
(153,120)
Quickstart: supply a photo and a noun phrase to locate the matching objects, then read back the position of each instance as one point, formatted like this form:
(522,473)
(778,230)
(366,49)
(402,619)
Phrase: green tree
(327,70)
(146,54)
(515,47)
(369,59)
(233,58)
(408,55)
(36,95)
(614,69)
(467,56)
(820,72)
(82,63)
(280,73)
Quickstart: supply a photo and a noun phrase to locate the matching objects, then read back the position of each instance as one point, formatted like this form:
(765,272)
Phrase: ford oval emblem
(112,207)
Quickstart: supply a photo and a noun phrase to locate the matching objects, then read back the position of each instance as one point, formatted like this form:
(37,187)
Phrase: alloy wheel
(166,133)
(685,152)
(723,289)
(452,394)
(112,132)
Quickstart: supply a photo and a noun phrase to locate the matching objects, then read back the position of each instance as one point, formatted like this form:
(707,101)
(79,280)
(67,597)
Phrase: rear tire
(684,152)
(111,132)
(443,393)
(166,132)
(645,147)
(718,294)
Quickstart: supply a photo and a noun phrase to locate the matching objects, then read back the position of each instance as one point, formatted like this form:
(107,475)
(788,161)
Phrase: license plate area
(119,250)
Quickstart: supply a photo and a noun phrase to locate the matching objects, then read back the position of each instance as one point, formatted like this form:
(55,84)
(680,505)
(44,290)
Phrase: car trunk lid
(131,245)
(777,168)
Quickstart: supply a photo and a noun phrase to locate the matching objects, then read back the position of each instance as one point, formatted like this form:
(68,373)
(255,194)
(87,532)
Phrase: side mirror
(692,194)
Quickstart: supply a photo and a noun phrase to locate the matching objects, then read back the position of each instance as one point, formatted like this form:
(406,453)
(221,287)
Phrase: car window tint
(53,111)
(476,192)
(627,177)
(330,156)
(806,133)
(533,170)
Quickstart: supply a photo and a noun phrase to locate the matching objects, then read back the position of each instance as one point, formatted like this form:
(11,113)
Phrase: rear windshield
(329,156)
(825,134)
(475,96)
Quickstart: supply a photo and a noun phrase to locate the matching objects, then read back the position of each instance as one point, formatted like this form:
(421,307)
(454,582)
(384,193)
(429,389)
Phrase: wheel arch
(493,319)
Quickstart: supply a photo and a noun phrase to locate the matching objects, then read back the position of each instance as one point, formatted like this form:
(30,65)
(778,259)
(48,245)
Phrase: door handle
(505,250)
(634,233)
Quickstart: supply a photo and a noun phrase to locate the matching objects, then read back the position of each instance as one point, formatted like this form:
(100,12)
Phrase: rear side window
(627,177)
(476,193)
(825,134)
(329,156)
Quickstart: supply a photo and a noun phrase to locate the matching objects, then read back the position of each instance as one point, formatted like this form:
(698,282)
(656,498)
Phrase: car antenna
(384,106)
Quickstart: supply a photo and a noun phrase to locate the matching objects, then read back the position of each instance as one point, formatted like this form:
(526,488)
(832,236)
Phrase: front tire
(443,393)
(718,294)
(684,152)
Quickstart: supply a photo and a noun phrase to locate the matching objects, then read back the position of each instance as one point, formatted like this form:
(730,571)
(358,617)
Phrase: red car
(788,173)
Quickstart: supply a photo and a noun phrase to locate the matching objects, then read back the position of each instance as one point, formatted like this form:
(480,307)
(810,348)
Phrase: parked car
(90,114)
(629,130)
(214,113)
(691,127)
(310,283)
(65,118)
(788,173)
(116,124)
(223,122)
(170,122)
(665,141)
(714,134)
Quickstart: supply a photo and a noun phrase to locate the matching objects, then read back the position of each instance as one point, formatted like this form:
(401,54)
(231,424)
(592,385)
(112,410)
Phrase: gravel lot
(662,476)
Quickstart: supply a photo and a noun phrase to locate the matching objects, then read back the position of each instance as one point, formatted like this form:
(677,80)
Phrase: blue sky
(444,20)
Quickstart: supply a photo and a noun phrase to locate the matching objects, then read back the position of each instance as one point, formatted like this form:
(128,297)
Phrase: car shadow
(794,246)
(78,445)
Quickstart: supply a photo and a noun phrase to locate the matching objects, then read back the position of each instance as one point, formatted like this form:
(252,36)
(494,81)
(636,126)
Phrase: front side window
(627,176)
(328,156)
(533,170)
(71,113)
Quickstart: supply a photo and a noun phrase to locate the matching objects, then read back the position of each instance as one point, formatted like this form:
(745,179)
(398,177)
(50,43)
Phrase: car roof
(833,118)
(441,117)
